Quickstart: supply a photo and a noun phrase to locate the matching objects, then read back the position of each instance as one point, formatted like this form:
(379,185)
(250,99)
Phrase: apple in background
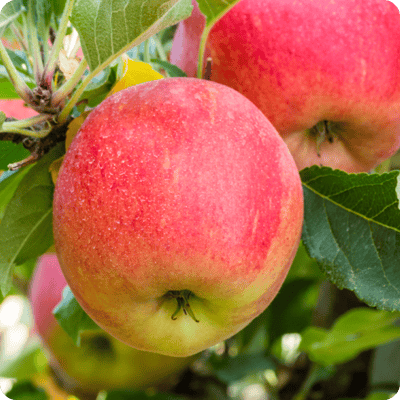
(101,362)
(177,213)
(16,108)
(325,73)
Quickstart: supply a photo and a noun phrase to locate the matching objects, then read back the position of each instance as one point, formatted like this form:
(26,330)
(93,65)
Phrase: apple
(16,108)
(101,362)
(325,73)
(177,213)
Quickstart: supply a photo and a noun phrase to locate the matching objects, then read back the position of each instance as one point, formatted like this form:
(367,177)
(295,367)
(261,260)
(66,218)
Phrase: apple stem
(323,131)
(182,297)
(207,73)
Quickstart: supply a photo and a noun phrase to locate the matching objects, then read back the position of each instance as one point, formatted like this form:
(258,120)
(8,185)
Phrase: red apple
(325,73)
(177,196)
(101,362)
(16,108)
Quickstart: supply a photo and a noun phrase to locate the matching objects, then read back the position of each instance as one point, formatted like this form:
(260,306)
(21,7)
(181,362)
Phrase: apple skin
(176,185)
(307,61)
(101,362)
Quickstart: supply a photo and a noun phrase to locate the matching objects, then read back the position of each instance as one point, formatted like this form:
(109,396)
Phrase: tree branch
(37,147)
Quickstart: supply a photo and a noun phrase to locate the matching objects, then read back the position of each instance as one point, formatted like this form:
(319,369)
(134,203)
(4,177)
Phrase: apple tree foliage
(340,303)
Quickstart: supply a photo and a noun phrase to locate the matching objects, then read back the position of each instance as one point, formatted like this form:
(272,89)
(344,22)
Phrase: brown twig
(207,73)
(37,147)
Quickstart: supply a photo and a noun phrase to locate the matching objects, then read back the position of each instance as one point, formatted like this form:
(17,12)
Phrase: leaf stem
(21,40)
(69,85)
(19,84)
(75,97)
(308,383)
(25,35)
(45,44)
(25,123)
(147,57)
(34,45)
(160,48)
(34,134)
(58,43)
(202,49)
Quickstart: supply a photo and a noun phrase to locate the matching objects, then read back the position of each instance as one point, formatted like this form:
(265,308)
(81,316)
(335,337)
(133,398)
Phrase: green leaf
(167,35)
(100,85)
(72,318)
(352,228)
(9,182)
(10,153)
(7,88)
(58,7)
(171,69)
(43,13)
(22,65)
(20,62)
(384,370)
(109,28)
(25,390)
(26,227)
(9,13)
(29,361)
(357,330)
(231,369)
(215,9)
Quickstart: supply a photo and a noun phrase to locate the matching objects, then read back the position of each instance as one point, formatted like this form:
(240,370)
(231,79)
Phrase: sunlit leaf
(107,29)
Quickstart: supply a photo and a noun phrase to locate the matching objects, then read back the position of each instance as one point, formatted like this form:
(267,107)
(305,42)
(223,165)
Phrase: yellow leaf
(135,72)
(51,249)
(73,128)
(55,168)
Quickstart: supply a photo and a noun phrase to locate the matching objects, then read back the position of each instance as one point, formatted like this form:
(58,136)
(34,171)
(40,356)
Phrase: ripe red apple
(325,73)
(101,362)
(177,196)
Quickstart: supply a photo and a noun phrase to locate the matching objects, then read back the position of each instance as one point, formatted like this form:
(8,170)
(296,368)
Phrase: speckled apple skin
(176,184)
(304,61)
(87,368)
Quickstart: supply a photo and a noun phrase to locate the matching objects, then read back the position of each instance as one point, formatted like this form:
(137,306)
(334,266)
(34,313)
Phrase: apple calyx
(182,297)
(100,343)
(323,131)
